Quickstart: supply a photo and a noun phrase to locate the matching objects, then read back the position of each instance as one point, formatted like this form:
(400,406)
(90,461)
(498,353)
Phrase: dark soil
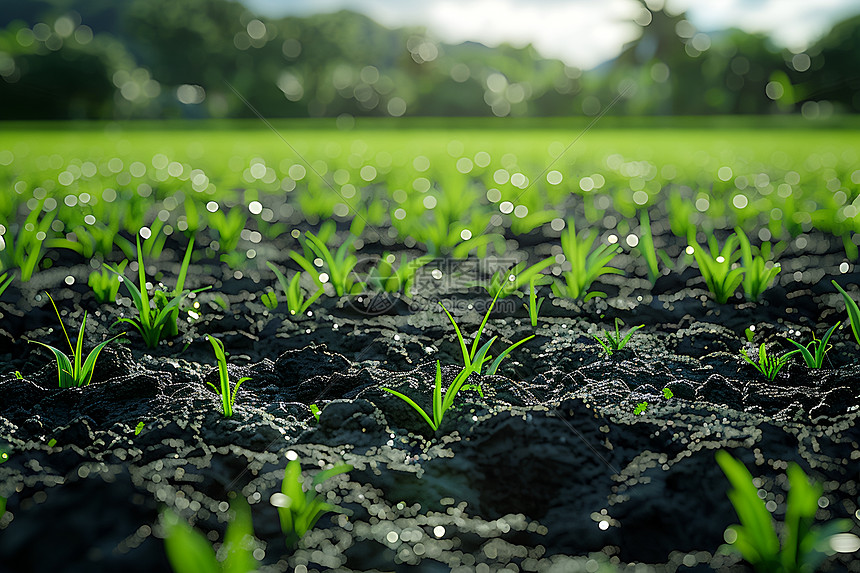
(521,478)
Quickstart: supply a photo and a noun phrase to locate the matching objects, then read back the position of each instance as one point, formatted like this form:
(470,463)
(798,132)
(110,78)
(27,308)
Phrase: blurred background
(138,59)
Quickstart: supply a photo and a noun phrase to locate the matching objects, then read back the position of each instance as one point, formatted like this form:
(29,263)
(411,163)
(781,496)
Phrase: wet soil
(549,470)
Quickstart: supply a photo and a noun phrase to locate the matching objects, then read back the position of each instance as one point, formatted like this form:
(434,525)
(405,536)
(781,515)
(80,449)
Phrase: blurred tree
(161,58)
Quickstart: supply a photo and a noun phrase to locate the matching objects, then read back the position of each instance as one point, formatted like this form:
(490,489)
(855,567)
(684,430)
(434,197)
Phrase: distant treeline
(117,59)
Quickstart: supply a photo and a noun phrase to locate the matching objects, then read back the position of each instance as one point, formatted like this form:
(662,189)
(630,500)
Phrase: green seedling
(612,344)
(229,227)
(768,365)
(74,373)
(188,550)
(25,249)
(646,247)
(5,281)
(154,243)
(270,300)
(163,299)
(749,332)
(228,396)
(640,409)
(315,411)
(716,267)
(474,360)
(586,265)
(105,283)
(853,312)
(479,244)
(138,429)
(802,546)
(384,277)
(533,307)
(221,302)
(296,302)
(52,442)
(440,405)
(534,219)
(153,324)
(338,264)
(18,375)
(298,510)
(814,358)
(505,283)
(668,394)
(759,271)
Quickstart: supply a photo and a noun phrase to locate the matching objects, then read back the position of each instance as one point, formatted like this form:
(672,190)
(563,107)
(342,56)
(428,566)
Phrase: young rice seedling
(586,265)
(440,405)
(188,550)
(802,546)
(73,373)
(296,301)
(716,267)
(814,358)
(473,360)
(768,365)
(298,510)
(152,323)
(228,396)
(614,344)
(853,311)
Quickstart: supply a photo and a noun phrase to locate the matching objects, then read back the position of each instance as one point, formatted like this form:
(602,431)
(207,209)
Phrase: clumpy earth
(547,469)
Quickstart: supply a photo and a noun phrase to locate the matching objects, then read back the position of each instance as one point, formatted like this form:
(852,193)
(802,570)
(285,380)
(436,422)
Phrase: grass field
(436,182)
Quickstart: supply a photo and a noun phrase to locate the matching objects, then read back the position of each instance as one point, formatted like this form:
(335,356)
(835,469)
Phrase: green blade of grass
(853,311)
(495,365)
(412,403)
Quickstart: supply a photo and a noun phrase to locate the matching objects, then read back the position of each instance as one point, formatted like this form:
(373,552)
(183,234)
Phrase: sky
(582,33)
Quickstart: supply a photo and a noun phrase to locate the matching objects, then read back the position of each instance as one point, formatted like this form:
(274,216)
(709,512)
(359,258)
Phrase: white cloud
(794,24)
(583,33)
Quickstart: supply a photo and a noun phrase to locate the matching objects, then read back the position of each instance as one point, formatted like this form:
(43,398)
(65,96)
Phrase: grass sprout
(505,283)
(25,249)
(802,547)
(188,550)
(474,359)
(768,365)
(384,277)
(534,304)
(152,321)
(228,396)
(716,267)
(162,299)
(440,405)
(298,510)
(612,344)
(5,281)
(105,283)
(814,357)
(853,311)
(74,373)
(646,247)
(759,271)
(297,304)
(338,264)
(586,264)
(270,300)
